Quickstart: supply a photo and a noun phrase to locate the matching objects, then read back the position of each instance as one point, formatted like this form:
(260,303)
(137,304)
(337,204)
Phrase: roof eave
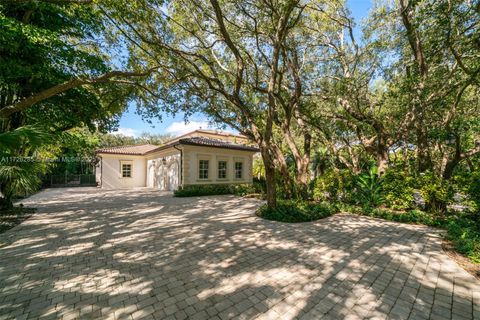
(120,153)
(251,149)
(176,143)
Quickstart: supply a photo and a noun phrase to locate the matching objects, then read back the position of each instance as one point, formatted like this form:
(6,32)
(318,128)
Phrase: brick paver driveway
(141,253)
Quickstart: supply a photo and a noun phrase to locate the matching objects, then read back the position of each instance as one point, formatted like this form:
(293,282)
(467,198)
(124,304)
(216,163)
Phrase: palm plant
(20,175)
(369,188)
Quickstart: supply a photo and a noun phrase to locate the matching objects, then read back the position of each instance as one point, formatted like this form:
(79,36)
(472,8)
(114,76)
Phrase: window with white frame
(126,170)
(238,170)
(203,169)
(222,169)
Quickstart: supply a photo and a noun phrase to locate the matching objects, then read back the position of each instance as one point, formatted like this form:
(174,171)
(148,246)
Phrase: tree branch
(70,84)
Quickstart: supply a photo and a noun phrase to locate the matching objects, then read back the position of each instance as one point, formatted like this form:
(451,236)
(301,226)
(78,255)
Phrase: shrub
(412,216)
(369,189)
(242,189)
(398,189)
(326,186)
(260,185)
(214,189)
(465,235)
(333,185)
(297,211)
(468,184)
(436,192)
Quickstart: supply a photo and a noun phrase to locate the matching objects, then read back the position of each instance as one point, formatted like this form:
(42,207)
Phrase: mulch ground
(461,260)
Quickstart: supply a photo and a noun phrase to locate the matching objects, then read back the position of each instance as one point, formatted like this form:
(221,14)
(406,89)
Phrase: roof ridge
(138,149)
(216,143)
(130,145)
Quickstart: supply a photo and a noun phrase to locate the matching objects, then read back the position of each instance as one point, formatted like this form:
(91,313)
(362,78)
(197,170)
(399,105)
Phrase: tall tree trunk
(281,165)
(303,168)
(302,178)
(452,163)
(269,178)
(382,155)
(448,172)
(423,153)
(382,162)
(302,160)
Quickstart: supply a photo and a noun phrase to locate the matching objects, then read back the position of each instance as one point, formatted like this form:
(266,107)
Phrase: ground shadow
(124,254)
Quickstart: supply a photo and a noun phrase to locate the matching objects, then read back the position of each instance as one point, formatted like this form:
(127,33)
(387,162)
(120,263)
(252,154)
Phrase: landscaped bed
(297,211)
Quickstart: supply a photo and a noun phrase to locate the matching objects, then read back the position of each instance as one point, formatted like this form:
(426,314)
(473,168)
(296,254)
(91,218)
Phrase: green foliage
(411,216)
(468,184)
(45,44)
(297,211)
(436,191)
(18,175)
(260,185)
(214,189)
(333,185)
(369,189)
(465,235)
(258,169)
(326,186)
(31,135)
(398,188)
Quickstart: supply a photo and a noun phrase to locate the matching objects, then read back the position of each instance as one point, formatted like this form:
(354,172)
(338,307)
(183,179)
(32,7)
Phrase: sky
(131,124)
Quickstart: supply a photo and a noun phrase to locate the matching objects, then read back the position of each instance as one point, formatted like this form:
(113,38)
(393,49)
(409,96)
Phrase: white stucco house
(198,157)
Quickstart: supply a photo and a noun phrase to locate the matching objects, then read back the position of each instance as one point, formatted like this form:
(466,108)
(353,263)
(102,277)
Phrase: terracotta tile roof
(130,150)
(194,141)
(215,143)
(213,132)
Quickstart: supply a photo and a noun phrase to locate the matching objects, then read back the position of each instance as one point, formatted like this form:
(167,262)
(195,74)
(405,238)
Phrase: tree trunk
(448,172)
(382,163)
(423,154)
(302,160)
(302,178)
(281,164)
(470,165)
(382,158)
(303,164)
(269,178)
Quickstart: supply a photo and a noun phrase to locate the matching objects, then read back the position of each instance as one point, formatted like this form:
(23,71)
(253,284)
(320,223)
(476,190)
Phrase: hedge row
(214,189)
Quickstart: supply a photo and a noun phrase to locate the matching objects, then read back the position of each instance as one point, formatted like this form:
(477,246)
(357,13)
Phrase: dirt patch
(461,260)
(16,215)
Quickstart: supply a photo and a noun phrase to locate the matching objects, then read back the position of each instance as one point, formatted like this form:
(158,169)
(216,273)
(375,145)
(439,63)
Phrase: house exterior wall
(149,170)
(110,176)
(193,154)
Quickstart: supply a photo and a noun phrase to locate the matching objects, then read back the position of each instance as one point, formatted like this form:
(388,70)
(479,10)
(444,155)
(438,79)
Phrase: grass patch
(297,211)
(9,218)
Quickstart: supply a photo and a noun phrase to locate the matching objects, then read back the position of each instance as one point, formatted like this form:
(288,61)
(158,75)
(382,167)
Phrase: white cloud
(126,132)
(180,127)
